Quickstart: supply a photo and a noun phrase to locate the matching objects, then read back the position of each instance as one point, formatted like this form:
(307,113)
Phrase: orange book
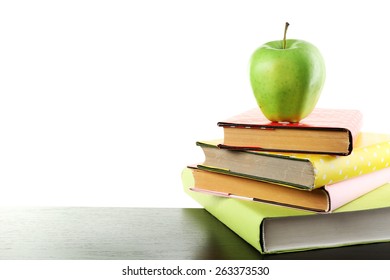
(324,131)
(325,199)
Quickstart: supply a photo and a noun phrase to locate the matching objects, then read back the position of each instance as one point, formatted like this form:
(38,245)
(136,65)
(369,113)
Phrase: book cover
(276,229)
(302,171)
(325,131)
(326,199)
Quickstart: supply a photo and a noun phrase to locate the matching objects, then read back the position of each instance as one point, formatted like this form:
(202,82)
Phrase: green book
(277,229)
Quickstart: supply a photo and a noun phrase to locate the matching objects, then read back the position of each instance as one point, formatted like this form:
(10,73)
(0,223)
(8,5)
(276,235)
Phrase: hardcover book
(302,171)
(276,229)
(326,199)
(324,131)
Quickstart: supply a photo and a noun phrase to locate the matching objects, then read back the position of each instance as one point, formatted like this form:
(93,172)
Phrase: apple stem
(285,32)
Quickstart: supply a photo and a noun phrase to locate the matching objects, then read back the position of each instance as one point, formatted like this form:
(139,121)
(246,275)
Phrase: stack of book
(286,187)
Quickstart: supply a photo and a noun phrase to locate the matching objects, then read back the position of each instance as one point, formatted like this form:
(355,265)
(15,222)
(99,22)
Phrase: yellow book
(371,152)
(276,229)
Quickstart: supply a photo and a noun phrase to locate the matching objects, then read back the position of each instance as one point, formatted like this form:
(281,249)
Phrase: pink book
(324,131)
(325,199)
(345,191)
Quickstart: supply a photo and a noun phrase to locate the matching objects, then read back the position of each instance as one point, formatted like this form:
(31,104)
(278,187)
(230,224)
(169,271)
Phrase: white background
(101,102)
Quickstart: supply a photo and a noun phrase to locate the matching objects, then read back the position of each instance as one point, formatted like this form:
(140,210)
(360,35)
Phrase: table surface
(111,233)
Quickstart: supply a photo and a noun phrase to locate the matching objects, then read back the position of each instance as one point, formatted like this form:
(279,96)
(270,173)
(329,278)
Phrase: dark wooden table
(106,233)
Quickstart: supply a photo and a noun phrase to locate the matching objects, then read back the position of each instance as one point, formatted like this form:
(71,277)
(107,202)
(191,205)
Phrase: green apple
(287,77)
